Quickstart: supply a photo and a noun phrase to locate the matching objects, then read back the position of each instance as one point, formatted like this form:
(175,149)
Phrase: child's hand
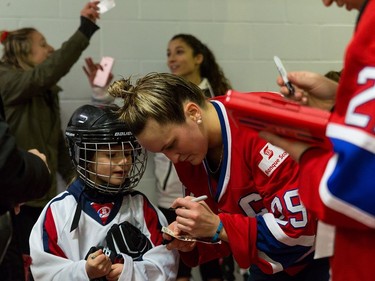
(115,272)
(98,264)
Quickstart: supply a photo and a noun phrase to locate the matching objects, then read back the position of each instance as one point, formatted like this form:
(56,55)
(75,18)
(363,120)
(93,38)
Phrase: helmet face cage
(125,164)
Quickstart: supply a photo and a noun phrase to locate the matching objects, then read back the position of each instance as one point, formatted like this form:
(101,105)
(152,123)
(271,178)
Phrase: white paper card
(105,5)
(187,238)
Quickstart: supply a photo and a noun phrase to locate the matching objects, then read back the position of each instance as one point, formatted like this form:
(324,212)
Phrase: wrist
(87,27)
(216,236)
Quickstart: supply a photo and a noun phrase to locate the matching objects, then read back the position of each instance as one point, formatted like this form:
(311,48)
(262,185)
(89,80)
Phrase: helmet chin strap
(77,214)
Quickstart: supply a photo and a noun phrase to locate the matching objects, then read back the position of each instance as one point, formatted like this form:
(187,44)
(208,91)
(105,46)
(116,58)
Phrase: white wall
(243,34)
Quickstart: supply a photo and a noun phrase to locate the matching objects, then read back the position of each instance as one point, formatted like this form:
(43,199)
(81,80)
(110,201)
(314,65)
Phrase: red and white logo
(103,210)
(267,151)
(272,157)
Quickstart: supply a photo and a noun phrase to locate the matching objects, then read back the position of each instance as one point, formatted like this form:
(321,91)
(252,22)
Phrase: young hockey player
(100,228)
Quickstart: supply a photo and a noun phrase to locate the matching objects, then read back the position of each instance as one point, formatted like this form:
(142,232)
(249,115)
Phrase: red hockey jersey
(257,200)
(338,185)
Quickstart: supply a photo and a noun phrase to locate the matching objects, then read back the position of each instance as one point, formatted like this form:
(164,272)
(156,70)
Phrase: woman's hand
(91,11)
(172,243)
(40,155)
(311,89)
(195,218)
(90,70)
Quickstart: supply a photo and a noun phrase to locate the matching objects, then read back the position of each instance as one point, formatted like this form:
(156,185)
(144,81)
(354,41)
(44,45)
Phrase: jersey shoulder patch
(272,157)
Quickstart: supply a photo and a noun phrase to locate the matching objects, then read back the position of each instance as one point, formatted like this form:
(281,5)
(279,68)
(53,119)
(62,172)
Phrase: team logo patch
(272,157)
(103,210)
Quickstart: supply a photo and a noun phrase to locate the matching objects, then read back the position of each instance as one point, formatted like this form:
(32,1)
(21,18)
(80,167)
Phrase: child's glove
(125,238)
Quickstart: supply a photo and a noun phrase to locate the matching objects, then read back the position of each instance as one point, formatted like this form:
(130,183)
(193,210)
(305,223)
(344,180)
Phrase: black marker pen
(283,74)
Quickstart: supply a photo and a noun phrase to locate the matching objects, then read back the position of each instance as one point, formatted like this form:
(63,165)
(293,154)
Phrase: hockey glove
(127,239)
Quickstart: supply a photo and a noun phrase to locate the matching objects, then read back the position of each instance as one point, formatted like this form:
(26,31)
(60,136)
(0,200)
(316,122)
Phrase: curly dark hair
(209,67)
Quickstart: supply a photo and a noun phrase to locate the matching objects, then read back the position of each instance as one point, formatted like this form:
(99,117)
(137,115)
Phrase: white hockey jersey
(58,253)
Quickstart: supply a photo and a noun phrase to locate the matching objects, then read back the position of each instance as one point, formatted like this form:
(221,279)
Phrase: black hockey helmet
(93,129)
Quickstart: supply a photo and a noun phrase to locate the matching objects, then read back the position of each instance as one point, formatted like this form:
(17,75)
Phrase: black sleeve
(23,175)
(87,27)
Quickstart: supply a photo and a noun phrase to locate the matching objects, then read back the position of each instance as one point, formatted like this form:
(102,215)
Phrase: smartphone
(102,75)
(283,73)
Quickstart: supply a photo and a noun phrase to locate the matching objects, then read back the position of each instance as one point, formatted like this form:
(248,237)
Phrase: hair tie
(3,36)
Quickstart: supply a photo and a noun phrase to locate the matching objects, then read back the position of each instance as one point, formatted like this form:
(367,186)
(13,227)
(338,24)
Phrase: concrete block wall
(243,34)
